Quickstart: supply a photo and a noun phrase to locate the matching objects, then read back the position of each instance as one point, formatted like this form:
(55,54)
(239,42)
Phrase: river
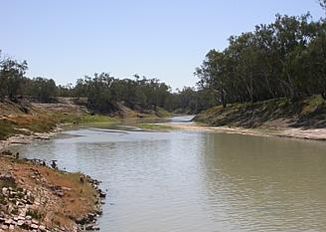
(197,181)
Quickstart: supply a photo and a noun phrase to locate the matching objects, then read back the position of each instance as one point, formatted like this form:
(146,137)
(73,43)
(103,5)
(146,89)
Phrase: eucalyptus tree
(41,89)
(283,59)
(323,4)
(12,75)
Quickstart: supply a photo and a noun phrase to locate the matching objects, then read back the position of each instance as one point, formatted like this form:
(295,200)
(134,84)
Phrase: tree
(42,89)
(323,4)
(283,59)
(11,77)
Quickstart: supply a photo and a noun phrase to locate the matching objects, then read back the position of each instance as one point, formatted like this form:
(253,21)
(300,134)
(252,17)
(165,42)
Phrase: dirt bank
(304,118)
(298,133)
(308,113)
(25,120)
(26,139)
(35,197)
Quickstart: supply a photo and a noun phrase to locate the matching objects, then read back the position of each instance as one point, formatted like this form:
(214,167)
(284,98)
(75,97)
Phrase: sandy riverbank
(304,118)
(298,133)
(27,139)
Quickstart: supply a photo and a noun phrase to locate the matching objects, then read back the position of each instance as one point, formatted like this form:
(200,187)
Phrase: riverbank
(19,139)
(24,121)
(296,133)
(302,119)
(36,197)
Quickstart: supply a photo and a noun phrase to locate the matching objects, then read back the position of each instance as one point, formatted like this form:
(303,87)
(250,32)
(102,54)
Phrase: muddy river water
(197,181)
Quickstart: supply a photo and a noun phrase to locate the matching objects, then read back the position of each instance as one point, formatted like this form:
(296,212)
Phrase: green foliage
(284,59)
(41,126)
(162,113)
(14,84)
(154,127)
(6,129)
(323,4)
(96,119)
(103,91)
(35,214)
(191,101)
(41,89)
(11,77)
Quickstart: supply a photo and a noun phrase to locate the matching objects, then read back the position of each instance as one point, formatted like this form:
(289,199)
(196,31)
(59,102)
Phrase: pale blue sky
(67,39)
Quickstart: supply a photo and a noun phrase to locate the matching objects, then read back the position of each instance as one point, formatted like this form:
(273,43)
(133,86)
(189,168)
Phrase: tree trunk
(323,94)
(223,99)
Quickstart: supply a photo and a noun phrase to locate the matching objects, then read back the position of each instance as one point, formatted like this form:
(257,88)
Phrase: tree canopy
(102,91)
(286,58)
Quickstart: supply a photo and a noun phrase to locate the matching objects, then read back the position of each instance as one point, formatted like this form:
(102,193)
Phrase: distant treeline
(286,58)
(101,90)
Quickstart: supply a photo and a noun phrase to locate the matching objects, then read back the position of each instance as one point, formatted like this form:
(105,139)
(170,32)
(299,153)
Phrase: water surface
(191,181)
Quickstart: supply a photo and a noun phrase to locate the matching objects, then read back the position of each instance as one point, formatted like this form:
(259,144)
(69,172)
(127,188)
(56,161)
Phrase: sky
(164,39)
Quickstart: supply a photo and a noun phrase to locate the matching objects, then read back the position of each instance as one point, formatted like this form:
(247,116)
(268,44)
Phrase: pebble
(34,226)
(8,221)
(35,221)
(20,223)
(18,202)
(4,190)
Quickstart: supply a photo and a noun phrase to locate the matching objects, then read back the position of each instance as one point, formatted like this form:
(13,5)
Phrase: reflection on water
(180,181)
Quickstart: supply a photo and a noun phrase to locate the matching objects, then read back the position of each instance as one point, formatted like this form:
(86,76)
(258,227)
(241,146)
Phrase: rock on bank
(34,197)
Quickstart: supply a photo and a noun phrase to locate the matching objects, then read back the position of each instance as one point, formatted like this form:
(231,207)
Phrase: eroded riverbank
(277,130)
(35,197)
(20,139)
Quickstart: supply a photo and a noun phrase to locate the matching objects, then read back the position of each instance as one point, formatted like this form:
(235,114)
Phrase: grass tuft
(7,129)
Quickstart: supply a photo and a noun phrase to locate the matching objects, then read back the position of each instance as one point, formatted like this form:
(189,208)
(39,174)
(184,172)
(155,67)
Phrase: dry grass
(305,113)
(27,118)
(79,198)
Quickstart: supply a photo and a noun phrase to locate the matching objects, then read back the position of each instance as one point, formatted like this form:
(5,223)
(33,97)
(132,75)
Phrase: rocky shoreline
(19,139)
(36,197)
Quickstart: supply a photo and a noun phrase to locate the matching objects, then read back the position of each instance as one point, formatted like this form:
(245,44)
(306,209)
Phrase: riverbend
(196,180)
